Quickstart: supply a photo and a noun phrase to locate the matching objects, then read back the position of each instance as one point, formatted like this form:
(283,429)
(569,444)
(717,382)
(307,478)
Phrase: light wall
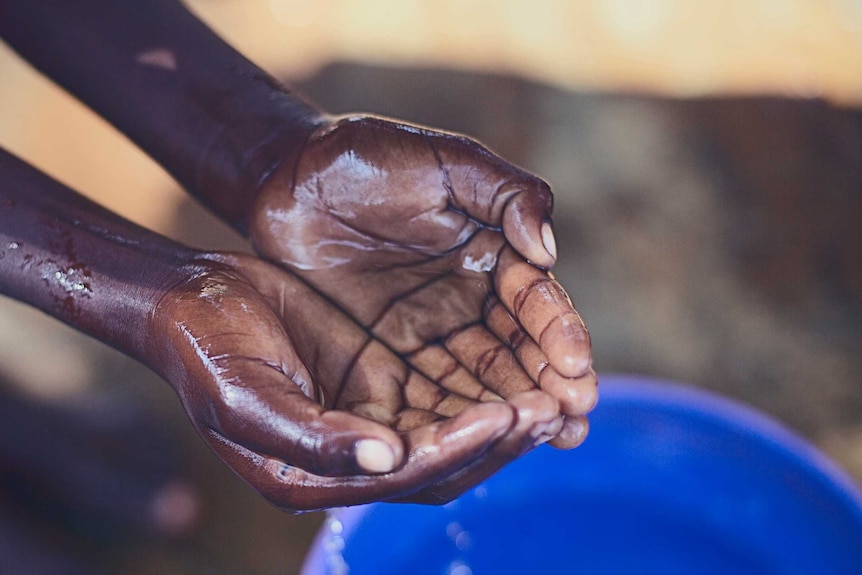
(795,47)
(679,47)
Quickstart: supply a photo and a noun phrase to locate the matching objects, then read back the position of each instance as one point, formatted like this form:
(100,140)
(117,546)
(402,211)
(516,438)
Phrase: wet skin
(250,349)
(413,232)
(405,342)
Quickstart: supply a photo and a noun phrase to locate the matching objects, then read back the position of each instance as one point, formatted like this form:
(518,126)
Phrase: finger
(503,325)
(438,364)
(378,386)
(270,414)
(572,434)
(527,226)
(500,195)
(542,307)
(577,396)
(411,418)
(490,360)
(420,393)
(242,375)
(436,450)
(538,419)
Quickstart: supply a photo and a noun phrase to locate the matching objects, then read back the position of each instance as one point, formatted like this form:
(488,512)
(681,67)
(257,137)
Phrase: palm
(284,388)
(352,371)
(408,232)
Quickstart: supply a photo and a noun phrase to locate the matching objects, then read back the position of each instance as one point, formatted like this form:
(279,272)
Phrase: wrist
(260,130)
(207,114)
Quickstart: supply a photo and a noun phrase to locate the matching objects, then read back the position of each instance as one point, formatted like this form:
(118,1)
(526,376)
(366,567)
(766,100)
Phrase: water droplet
(336,565)
(70,279)
(483,264)
(284,473)
(453,529)
(333,545)
(459,568)
(463,541)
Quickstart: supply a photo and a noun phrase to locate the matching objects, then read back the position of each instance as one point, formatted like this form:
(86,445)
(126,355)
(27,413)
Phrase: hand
(436,246)
(311,410)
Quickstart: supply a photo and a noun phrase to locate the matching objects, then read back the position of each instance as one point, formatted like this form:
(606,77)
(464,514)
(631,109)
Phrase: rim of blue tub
(673,396)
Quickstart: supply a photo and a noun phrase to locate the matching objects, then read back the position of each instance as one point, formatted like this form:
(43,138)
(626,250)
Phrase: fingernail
(576,429)
(548,431)
(548,239)
(576,365)
(568,346)
(375,456)
(543,439)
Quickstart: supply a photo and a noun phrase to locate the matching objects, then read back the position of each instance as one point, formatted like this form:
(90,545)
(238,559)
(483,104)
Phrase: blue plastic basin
(670,480)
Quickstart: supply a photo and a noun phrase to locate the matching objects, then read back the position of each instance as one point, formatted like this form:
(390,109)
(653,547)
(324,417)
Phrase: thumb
(498,194)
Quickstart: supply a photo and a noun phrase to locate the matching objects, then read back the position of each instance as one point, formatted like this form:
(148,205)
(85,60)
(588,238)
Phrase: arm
(329,200)
(287,390)
(215,121)
(80,263)
(223,127)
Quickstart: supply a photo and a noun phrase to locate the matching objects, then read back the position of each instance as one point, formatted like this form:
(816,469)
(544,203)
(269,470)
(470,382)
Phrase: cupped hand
(313,411)
(440,250)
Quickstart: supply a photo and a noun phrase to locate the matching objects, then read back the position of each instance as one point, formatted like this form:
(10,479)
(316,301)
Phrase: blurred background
(707,163)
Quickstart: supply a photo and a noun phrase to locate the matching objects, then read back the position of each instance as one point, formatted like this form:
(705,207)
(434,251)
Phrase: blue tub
(671,480)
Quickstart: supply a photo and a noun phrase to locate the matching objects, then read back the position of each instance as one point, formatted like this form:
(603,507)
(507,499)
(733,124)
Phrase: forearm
(212,118)
(79,262)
